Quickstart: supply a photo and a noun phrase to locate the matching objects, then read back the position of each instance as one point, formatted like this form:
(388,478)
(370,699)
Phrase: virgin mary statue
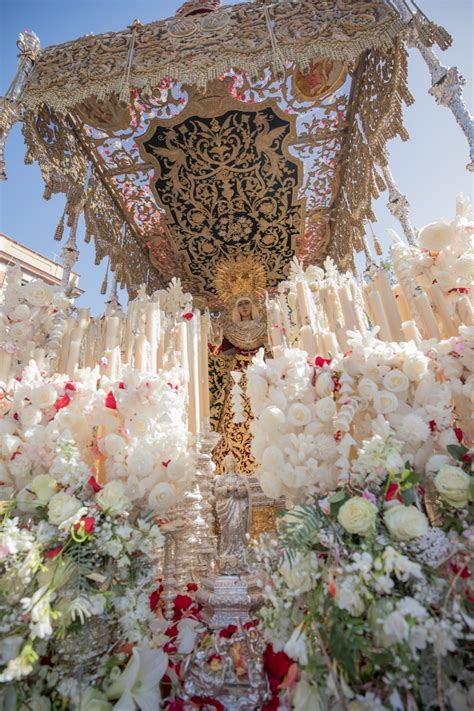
(237,336)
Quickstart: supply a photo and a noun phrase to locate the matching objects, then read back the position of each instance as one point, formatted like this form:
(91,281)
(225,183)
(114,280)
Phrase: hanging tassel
(377,245)
(103,288)
(58,234)
(125,88)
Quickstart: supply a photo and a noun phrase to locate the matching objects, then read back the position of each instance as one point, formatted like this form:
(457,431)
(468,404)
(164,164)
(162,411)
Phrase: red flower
(204,701)
(175,705)
(276,663)
(251,623)
(121,386)
(332,588)
(337,435)
(433,426)
(319,361)
(110,401)
(188,316)
(172,631)
(228,631)
(53,553)
(392,491)
(88,522)
(95,486)
(70,386)
(459,434)
(155,598)
(272,705)
(192,587)
(182,602)
(170,648)
(62,402)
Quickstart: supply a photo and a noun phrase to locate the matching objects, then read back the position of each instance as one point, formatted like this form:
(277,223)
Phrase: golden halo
(243,276)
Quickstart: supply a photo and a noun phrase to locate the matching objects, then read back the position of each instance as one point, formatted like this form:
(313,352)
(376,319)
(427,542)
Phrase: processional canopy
(249,130)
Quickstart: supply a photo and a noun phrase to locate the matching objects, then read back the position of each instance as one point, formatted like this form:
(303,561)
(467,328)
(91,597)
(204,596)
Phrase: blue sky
(430,168)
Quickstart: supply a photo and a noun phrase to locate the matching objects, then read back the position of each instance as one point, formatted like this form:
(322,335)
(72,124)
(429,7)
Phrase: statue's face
(245,308)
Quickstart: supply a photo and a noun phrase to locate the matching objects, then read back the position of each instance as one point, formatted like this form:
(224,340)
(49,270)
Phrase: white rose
(298,573)
(38,293)
(435,462)
(62,507)
(415,366)
(358,515)
(395,381)
(20,313)
(436,236)
(385,402)
(20,331)
(112,444)
(271,418)
(138,425)
(44,487)
(271,484)
(112,498)
(299,415)
(406,522)
(326,409)
(452,484)
(324,384)
(30,416)
(162,497)
(273,460)
(367,389)
(140,461)
(44,396)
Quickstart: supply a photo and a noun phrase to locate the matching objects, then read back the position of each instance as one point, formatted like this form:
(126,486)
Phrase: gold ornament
(239,277)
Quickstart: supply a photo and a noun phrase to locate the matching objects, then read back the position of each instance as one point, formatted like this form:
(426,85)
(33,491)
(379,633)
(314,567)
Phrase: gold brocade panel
(227,184)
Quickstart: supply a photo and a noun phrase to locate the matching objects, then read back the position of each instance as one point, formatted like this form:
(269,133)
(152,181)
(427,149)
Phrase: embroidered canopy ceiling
(255,129)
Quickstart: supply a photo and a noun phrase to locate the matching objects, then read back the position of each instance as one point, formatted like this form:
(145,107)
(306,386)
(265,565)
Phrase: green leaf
(457,451)
(340,496)
(471,489)
(408,496)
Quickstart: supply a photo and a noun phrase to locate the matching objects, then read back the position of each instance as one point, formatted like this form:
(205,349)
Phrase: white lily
(139,684)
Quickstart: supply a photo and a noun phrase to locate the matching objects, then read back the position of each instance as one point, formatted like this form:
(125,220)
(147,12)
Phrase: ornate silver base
(229,599)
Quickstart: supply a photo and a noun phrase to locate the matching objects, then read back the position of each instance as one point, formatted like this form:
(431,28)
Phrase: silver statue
(233,508)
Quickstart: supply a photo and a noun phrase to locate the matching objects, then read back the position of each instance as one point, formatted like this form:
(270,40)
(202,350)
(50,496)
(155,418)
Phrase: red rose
(53,553)
(155,598)
(95,486)
(182,602)
(228,631)
(188,316)
(172,631)
(88,522)
(192,587)
(392,491)
(175,705)
(433,426)
(62,402)
(276,663)
(110,401)
(319,361)
(70,386)
(459,434)
(121,386)
(251,623)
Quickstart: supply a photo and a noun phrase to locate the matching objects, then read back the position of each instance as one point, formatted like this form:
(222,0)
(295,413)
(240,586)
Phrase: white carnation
(271,418)
(43,396)
(415,366)
(162,497)
(413,430)
(299,415)
(385,402)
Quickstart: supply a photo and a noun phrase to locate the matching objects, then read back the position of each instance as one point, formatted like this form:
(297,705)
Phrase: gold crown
(197,7)
(243,276)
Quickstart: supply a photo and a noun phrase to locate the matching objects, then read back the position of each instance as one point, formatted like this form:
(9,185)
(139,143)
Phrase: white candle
(140,353)
(307,340)
(6,359)
(401,302)
(204,371)
(193,382)
(382,283)
(74,351)
(112,327)
(64,352)
(303,302)
(445,320)
(429,324)
(39,356)
(114,363)
(330,342)
(464,309)
(411,332)
(83,318)
(285,316)
(345,298)
(379,315)
(152,328)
